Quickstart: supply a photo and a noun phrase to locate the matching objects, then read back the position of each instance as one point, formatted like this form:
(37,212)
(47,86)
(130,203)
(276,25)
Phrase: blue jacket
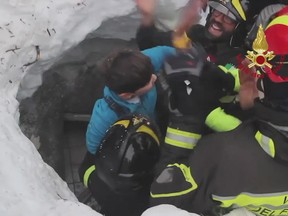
(103,116)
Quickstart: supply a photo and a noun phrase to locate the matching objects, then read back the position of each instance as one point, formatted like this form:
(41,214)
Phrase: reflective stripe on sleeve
(181,139)
(220,121)
(266,143)
(188,183)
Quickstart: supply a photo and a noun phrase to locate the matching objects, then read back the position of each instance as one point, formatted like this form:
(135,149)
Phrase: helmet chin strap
(232,36)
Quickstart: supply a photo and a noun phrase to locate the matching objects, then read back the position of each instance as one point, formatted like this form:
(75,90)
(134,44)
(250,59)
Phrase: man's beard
(225,36)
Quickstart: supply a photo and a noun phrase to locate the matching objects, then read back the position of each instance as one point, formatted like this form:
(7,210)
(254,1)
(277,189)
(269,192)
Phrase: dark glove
(192,91)
(186,62)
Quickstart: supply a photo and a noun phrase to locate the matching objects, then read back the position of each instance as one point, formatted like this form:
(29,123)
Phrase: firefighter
(246,167)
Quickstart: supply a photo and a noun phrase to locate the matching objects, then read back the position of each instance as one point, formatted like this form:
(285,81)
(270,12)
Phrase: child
(129,88)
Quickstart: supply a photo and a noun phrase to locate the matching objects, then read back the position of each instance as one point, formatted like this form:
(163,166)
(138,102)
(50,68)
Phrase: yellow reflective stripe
(239,8)
(282,20)
(182,139)
(123,122)
(234,72)
(188,177)
(147,130)
(220,121)
(87,175)
(266,143)
(183,133)
(179,144)
(246,199)
(223,68)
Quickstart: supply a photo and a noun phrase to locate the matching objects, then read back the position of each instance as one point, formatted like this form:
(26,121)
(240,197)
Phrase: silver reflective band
(266,143)
(181,139)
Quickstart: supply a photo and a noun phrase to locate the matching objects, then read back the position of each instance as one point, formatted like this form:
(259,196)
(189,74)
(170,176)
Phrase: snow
(166,210)
(29,187)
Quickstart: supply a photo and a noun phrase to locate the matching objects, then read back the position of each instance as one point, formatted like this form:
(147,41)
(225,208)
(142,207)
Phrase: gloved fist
(193,90)
(186,62)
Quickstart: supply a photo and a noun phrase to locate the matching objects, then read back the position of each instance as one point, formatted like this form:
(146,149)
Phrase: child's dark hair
(127,71)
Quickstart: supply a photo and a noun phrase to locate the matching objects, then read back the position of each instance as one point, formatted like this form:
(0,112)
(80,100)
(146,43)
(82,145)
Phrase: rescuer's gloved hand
(224,77)
(192,90)
(186,62)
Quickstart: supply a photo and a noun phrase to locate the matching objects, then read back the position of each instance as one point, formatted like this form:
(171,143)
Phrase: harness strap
(119,110)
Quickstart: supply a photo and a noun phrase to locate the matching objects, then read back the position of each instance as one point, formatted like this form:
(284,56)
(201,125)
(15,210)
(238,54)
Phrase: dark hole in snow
(55,117)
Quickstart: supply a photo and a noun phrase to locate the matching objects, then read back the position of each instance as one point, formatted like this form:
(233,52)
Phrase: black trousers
(120,202)
(126,203)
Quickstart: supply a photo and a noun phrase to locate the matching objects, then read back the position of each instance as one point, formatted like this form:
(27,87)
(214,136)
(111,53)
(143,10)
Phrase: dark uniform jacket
(247,167)
(219,52)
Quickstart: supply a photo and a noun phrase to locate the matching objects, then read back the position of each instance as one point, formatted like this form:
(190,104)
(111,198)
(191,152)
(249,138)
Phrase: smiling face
(220,27)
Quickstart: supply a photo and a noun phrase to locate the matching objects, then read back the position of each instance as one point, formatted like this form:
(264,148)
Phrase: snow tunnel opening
(56,115)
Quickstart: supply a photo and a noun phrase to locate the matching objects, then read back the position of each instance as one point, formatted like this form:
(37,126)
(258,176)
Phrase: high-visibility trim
(239,8)
(246,199)
(234,72)
(281,20)
(125,123)
(181,139)
(266,143)
(188,177)
(223,68)
(145,129)
(87,175)
(220,121)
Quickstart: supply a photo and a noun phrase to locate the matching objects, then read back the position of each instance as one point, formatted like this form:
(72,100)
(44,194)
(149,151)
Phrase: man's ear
(126,95)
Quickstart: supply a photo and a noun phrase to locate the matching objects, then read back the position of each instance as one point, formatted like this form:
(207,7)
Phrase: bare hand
(248,89)
(147,8)
(190,15)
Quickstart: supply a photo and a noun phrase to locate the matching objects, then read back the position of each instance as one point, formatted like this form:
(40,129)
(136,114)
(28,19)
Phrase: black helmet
(235,9)
(128,153)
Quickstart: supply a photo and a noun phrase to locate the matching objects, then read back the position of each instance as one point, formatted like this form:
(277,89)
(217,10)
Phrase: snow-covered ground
(33,35)
(28,185)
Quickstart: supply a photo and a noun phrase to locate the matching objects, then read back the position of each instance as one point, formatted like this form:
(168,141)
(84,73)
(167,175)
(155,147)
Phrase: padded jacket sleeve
(158,55)
(101,119)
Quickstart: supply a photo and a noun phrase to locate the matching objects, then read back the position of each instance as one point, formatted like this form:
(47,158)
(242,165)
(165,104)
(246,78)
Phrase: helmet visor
(221,8)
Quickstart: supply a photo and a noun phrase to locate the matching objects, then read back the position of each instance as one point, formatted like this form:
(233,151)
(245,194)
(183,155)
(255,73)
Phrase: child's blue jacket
(103,116)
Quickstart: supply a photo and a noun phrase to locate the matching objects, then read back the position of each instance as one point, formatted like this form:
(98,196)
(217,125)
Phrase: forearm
(147,10)
(93,138)
(158,55)
(190,15)
(182,135)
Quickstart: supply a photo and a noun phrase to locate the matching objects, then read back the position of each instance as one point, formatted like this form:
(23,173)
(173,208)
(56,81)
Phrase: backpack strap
(119,110)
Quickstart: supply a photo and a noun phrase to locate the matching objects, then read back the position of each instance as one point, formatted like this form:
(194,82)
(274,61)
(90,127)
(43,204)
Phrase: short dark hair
(127,71)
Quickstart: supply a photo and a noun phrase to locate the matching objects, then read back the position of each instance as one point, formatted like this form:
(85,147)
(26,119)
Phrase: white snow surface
(28,186)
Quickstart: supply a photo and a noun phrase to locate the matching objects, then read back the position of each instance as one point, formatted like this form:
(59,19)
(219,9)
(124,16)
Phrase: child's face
(147,87)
